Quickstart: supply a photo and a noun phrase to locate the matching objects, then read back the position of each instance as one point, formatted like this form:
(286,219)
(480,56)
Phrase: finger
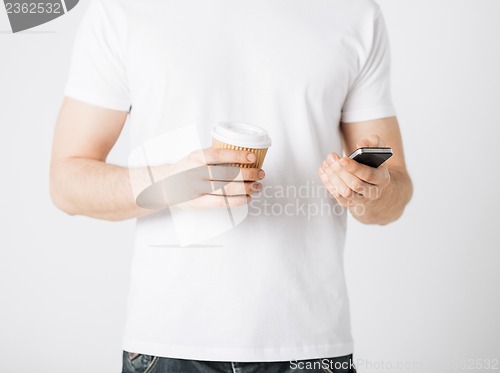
(354,199)
(332,157)
(370,175)
(344,202)
(175,189)
(215,201)
(335,194)
(328,175)
(236,188)
(326,182)
(373,141)
(227,173)
(218,156)
(356,184)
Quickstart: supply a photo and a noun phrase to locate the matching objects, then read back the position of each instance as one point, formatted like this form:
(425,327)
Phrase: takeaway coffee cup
(242,136)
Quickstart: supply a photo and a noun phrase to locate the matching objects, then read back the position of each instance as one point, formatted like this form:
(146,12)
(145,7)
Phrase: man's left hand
(352,183)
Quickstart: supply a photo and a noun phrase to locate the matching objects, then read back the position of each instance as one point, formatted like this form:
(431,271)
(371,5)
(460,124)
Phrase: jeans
(139,363)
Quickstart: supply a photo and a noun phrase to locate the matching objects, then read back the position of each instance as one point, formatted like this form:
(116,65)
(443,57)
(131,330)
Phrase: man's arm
(82,183)
(374,196)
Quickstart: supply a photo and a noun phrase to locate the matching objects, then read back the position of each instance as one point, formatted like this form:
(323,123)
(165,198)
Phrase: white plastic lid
(242,134)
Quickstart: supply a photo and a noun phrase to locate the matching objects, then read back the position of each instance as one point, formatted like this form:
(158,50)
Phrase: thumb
(373,141)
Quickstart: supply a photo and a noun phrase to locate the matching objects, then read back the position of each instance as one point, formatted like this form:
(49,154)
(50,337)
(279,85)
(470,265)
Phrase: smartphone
(372,157)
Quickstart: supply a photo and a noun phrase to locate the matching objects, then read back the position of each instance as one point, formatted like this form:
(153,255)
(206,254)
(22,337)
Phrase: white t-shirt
(272,287)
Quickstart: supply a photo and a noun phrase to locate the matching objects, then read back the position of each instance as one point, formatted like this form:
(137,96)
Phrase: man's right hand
(202,180)
(83,183)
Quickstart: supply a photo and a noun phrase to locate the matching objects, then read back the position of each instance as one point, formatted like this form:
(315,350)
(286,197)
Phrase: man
(269,294)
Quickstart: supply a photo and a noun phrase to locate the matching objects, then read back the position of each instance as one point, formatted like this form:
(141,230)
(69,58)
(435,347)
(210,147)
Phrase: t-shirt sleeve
(369,96)
(98,71)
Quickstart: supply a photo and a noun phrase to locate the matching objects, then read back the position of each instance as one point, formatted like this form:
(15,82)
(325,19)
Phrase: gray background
(424,287)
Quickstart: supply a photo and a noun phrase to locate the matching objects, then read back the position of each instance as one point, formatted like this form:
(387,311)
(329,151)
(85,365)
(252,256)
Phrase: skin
(373,195)
(81,179)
